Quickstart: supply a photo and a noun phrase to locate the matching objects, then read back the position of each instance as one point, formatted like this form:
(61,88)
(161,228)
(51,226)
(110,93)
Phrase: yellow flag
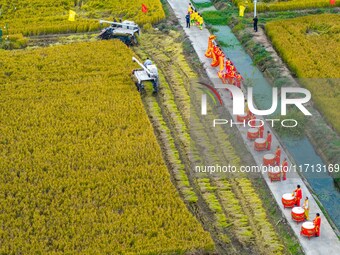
(241,10)
(72,16)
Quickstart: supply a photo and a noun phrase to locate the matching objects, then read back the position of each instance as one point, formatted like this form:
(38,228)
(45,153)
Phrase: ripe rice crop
(264,6)
(309,45)
(36,17)
(81,170)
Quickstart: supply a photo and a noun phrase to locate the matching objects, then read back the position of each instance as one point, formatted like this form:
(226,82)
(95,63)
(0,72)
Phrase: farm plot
(275,5)
(81,170)
(36,17)
(315,39)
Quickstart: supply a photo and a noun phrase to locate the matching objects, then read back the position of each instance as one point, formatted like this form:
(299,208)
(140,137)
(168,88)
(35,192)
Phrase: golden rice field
(309,45)
(275,5)
(81,170)
(35,17)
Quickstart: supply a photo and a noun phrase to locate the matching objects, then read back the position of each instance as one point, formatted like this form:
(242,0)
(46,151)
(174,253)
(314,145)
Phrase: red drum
(307,229)
(298,214)
(274,174)
(269,159)
(260,144)
(288,200)
(242,117)
(253,133)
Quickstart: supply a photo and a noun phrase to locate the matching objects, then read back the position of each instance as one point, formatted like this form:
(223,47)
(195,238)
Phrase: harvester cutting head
(148,72)
(126,31)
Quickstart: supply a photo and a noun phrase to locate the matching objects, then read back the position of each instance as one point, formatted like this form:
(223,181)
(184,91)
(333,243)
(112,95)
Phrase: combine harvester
(148,72)
(126,31)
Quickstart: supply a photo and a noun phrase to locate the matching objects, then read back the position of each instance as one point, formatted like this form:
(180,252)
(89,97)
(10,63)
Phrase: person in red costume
(278,155)
(228,65)
(269,140)
(298,195)
(261,131)
(238,80)
(317,224)
(284,169)
(252,119)
(231,76)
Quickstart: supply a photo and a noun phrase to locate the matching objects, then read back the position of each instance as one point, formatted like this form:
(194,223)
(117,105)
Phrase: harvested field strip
(172,155)
(215,191)
(251,204)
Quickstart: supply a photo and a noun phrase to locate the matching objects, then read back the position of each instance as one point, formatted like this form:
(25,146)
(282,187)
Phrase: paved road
(327,243)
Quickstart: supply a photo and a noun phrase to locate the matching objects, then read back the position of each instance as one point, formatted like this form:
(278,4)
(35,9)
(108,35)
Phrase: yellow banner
(241,10)
(72,16)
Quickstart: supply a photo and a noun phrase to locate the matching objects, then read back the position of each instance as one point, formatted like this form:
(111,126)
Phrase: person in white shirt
(147,62)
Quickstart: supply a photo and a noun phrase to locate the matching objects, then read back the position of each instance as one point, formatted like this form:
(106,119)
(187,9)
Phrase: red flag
(332,2)
(144,8)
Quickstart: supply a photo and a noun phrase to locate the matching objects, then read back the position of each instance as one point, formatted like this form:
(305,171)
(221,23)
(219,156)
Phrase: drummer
(298,195)
(305,206)
(261,131)
(252,119)
(317,224)
(278,155)
(268,140)
(284,169)
(238,80)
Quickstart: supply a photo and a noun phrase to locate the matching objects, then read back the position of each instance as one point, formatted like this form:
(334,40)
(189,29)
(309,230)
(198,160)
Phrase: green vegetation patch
(202,5)
(215,17)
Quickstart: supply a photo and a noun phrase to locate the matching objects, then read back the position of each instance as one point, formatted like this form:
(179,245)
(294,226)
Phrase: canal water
(300,148)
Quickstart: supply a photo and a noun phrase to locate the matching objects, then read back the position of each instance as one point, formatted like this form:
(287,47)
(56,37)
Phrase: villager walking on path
(255,23)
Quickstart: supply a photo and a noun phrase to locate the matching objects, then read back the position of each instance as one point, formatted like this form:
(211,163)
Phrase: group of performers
(251,118)
(284,165)
(297,193)
(194,18)
(228,72)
